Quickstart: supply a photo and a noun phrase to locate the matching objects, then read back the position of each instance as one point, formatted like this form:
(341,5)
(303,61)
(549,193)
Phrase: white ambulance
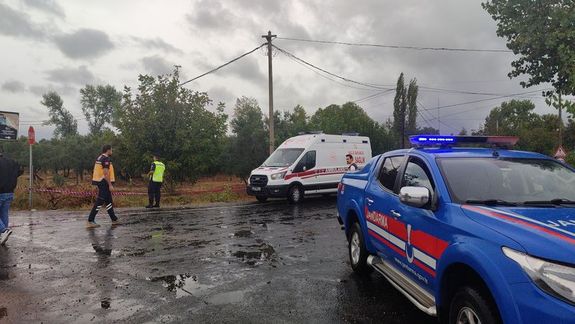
(312,163)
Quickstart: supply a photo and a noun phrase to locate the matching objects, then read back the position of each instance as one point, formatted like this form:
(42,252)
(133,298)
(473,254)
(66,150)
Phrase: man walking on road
(103,177)
(156,176)
(9,173)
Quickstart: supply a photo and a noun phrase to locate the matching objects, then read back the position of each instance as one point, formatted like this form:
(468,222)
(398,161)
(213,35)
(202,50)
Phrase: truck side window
(417,175)
(389,171)
(307,161)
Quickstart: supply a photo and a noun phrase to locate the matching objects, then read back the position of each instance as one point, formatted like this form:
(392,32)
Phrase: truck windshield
(509,181)
(283,157)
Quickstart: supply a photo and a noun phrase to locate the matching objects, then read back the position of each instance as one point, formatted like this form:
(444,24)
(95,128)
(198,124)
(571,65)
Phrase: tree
(175,123)
(98,105)
(542,33)
(351,118)
(399,110)
(65,123)
(411,98)
(510,118)
(248,145)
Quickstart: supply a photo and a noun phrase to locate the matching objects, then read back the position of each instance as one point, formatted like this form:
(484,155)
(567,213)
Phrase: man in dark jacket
(9,173)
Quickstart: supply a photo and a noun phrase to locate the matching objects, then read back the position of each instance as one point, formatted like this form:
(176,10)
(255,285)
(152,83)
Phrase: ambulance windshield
(283,157)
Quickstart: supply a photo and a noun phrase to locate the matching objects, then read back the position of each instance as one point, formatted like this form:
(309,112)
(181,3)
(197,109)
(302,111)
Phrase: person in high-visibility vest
(103,177)
(156,176)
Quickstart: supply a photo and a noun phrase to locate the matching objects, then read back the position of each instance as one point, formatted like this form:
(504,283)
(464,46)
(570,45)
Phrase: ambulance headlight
(555,279)
(278,176)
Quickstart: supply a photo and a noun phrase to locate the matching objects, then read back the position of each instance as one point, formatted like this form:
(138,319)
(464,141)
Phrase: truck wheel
(295,194)
(262,199)
(468,305)
(357,252)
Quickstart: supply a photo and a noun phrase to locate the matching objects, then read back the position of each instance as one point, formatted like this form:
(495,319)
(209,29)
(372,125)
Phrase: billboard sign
(9,122)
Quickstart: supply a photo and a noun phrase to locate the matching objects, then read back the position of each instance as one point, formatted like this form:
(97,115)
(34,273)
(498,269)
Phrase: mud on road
(248,263)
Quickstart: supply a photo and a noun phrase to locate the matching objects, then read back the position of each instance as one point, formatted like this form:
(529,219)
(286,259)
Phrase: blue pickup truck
(468,234)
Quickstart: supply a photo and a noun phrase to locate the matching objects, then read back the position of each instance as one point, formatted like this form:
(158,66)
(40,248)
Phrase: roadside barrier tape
(85,193)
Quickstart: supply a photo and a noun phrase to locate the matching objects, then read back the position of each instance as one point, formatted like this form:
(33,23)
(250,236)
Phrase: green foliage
(59,180)
(248,146)
(404,110)
(173,121)
(542,33)
(536,133)
(98,105)
(66,124)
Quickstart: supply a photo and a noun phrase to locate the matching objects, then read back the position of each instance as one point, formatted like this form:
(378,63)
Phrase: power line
(223,65)
(373,96)
(329,73)
(419,48)
(487,99)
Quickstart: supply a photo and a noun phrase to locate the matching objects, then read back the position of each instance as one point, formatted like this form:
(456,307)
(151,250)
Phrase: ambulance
(310,163)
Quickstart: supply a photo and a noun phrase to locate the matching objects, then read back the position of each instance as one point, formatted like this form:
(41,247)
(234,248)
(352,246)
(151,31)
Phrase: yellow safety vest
(159,169)
(98,173)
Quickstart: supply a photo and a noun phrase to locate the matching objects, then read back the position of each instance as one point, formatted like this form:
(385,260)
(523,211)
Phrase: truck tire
(295,194)
(358,252)
(469,305)
(262,199)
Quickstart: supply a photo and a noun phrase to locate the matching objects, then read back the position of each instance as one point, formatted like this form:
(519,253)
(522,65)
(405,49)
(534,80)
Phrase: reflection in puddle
(227,298)
(183,284)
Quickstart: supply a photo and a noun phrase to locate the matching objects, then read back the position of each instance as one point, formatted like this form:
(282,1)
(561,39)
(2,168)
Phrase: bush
(59,180)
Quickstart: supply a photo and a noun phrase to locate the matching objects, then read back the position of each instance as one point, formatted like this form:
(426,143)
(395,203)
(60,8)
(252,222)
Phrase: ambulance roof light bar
(444,140)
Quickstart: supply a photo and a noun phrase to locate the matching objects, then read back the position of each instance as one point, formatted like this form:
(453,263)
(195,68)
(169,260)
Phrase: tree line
(195,138)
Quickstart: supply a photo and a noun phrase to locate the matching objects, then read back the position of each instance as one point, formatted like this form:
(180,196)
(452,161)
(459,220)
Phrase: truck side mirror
(414,196)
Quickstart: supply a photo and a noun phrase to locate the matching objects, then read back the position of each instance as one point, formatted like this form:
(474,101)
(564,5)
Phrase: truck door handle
(369,201)
(395,213)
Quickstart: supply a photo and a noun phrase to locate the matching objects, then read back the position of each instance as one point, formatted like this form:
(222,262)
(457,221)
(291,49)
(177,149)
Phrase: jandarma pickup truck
(471,235)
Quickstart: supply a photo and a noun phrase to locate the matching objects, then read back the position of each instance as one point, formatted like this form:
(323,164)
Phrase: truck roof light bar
(444,140)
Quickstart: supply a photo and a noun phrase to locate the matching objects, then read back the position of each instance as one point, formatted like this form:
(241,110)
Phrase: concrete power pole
(269,38)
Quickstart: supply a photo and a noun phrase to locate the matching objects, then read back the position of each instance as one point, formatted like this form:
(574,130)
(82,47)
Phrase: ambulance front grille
(259,180)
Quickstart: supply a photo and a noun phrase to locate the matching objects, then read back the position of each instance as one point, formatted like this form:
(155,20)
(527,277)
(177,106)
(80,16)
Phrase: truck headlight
(555,279)
(277,176)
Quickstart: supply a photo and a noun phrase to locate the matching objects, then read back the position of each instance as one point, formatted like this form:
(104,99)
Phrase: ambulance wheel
(357,252)
(262,199)
(469,305)
(295,194)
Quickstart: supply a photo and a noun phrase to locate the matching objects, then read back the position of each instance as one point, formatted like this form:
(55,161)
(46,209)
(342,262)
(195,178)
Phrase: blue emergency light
(443,140)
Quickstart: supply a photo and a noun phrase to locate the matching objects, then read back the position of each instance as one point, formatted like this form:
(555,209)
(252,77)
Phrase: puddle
(264,252)
(3,312)
(244,233)
(231,297)
(183,284)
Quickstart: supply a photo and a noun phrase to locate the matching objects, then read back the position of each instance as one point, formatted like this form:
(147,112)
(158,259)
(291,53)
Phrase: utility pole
(269,38)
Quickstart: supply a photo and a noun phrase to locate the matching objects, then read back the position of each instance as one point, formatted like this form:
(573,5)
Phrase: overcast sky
(63,45)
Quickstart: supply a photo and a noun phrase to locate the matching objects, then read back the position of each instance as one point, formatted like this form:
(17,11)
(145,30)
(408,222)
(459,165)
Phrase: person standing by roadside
(9,173)
(156,176)
(351,166)
(103,177)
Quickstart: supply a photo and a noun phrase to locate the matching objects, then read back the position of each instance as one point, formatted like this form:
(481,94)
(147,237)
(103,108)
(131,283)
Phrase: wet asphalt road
(247,263)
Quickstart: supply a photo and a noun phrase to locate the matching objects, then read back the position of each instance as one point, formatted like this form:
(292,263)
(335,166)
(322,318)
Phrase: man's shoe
(116,222)
(4,236)
(92,225)
(149,206)
(156,206)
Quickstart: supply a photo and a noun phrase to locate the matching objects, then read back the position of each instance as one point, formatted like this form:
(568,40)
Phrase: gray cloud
(84,43)
(50,6)
(13,86)
(18,24)
(157,65)
(248,69)
(211,15)
(157,43)
(69,76)
(40,90)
